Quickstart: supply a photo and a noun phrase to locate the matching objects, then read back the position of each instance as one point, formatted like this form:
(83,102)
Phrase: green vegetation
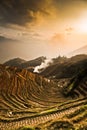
(74,82)
(57,125)
(78,112)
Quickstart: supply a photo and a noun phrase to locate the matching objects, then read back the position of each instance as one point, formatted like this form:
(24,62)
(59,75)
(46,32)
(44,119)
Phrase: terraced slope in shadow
(27,99)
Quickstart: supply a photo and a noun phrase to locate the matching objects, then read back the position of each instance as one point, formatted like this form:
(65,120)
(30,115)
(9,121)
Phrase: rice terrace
(31,101)
(43,64)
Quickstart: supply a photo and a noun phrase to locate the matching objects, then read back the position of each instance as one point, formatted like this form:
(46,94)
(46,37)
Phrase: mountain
(24,94)
(22,84)
(33,63)
(17,62)
(66,68)
(60,67)
(14,62)
(77,85)
(82,50)
(54,99)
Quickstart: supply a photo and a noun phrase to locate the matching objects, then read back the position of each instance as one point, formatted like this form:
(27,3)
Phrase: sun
(82,24)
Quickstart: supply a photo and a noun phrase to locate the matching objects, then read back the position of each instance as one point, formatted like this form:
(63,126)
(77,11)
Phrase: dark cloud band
(19,11)
(5,40)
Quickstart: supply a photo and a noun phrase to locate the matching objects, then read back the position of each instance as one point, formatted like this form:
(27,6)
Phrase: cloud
(21,12)
(61,40)
(43,65)
(36,35)
(70,8)
(58,38)
(38,12)
(69,30)
(5,40)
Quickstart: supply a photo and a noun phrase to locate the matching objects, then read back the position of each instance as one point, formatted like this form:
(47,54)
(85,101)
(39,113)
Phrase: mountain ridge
(66,69)
(23,64)
(14,62)
(81,50)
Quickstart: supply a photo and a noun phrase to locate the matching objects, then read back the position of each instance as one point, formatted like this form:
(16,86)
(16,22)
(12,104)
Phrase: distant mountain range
(33,63)
(15,62)
(65,67)
(60,67)
(18,62)
(82,50)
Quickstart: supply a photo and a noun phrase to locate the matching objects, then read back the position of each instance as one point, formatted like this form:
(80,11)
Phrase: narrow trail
(36,120)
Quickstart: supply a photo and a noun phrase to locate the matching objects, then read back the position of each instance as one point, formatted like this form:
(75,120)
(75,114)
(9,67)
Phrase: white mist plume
(43,65)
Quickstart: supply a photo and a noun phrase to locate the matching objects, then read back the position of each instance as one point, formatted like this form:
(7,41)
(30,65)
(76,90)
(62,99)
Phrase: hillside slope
(14,62)
(81,50)
(18,62)
(27,99)
(77,85)
(67,68)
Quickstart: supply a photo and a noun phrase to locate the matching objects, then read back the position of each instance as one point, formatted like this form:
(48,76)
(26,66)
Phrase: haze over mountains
(59,67)
(82,50)
(18,62)
(37,61)
(65,67)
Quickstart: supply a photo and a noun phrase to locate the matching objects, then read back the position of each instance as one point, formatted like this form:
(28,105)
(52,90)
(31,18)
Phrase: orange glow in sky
(42,27)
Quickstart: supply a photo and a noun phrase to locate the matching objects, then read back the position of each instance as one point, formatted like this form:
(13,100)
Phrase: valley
(31,101)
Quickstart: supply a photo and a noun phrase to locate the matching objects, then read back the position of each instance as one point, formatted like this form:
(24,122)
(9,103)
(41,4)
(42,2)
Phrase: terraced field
(29,101)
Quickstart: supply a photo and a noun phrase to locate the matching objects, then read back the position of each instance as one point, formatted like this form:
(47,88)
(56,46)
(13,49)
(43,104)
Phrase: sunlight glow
(82,24)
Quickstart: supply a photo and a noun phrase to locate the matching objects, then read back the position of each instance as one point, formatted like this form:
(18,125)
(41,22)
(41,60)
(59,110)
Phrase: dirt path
(36,120)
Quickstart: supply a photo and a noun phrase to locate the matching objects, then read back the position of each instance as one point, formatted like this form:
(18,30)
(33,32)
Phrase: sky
(33,28)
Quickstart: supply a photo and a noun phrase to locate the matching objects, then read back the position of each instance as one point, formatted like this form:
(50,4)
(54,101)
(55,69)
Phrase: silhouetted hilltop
(33,63)
(66,68)
(15,62)
(18,62)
